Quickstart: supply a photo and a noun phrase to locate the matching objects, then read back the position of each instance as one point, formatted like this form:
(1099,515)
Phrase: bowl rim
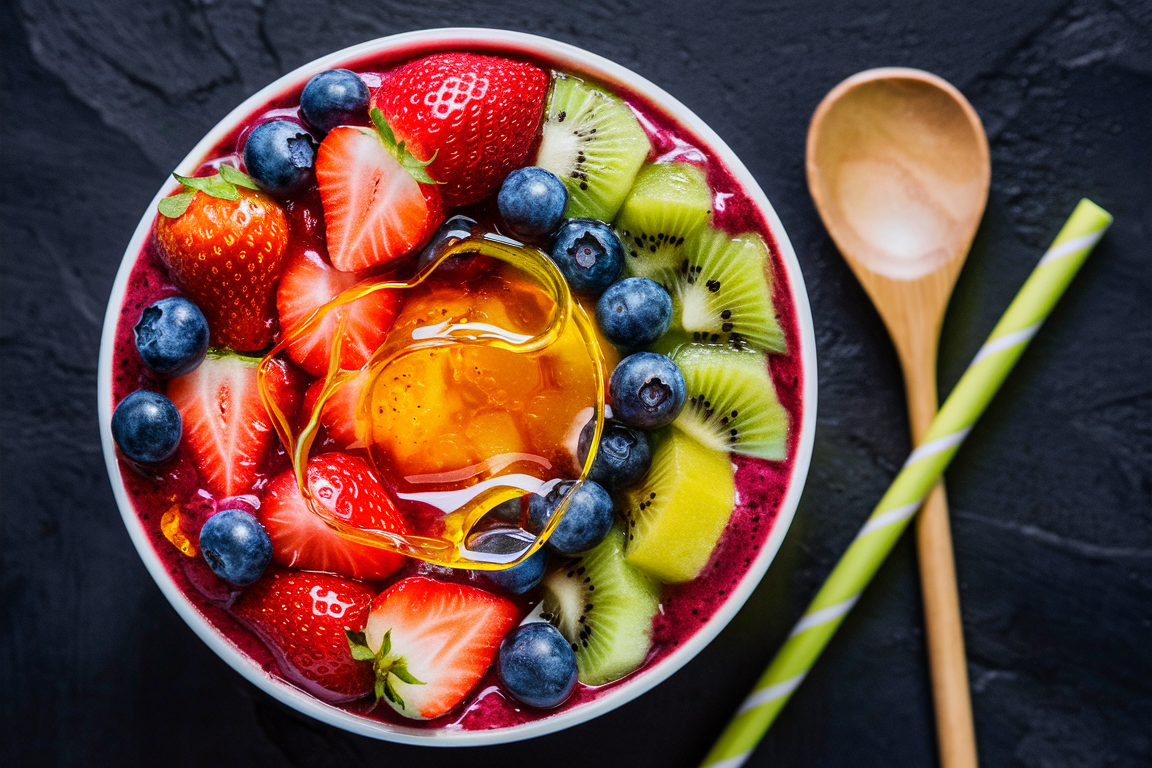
(563,56)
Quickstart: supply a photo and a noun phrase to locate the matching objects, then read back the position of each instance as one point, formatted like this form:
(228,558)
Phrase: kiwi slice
(593,142)
(732,403)
(668,203)
(675,518)
(604,608)
(724,292)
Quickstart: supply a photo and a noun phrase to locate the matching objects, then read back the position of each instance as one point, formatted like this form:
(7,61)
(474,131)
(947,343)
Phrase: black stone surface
(1050,496)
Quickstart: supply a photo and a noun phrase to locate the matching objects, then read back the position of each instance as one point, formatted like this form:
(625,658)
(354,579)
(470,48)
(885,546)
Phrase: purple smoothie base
(685,608)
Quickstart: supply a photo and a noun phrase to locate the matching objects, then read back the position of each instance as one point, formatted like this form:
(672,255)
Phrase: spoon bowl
(898,165)
(899,170)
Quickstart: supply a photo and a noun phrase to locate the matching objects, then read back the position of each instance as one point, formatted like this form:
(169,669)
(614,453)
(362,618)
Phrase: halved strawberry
(430,643)
(286,384)
(309,282)
(303,618)
(339,414)
(346,487)
(375,207)
(475,117)
(225,424)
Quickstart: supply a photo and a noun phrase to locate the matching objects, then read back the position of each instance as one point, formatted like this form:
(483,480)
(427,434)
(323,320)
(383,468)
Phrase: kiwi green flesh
(723,292)
(678,513)
(604,608)
(593,142)
(732,403)
(668,203)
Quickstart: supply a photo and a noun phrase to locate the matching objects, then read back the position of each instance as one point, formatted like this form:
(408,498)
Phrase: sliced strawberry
(431,642)
(307,284)
(286,385)
(303,618)
(346,487)
(374,208)
(225,423)
(339,414)
(477,116)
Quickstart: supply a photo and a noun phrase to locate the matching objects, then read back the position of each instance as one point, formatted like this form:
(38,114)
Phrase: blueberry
(172,336)
(634,312)
(589,254)
(506,541)
(537,665)
(447,235)
(623,457)
(280,156)
(235,546)
(332,98)
(508,513)
(147,427)
(532,201)
(647,390)
(584,525)
(539,510)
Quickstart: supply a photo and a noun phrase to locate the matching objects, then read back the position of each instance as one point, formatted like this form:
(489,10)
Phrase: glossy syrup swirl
(469,403)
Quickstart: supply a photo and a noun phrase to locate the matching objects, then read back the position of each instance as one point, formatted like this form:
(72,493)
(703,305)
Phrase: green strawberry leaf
(400,669)
(362,653)
(174,207)
(383,129)
(391,694)
(213,186)
(221,353)
(414,166)
(221,185)
(192,182)
(237,178)
(359,646)
(384,666)
(385,645)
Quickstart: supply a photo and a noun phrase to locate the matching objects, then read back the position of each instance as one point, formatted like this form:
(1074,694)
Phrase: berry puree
(171,502)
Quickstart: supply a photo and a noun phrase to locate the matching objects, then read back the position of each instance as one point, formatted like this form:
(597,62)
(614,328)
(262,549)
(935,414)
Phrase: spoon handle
(944,630)
(966,403)
(947,662)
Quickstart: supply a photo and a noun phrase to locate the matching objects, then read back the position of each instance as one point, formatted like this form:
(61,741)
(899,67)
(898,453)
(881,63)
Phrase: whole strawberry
(477,115)
(223,242)
(303,617)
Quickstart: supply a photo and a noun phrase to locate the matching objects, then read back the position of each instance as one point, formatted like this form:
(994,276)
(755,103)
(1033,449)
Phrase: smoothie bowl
(459,387)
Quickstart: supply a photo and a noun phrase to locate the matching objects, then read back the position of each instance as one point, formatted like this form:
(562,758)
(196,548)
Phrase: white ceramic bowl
(565,57)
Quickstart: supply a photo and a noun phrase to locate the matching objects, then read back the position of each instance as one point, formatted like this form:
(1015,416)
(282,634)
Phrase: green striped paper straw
(923,468)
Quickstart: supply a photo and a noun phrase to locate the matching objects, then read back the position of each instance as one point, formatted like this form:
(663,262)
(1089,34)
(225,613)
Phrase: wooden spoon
(898,168)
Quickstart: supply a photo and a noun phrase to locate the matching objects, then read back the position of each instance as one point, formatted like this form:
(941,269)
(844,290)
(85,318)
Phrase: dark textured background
(1050,496)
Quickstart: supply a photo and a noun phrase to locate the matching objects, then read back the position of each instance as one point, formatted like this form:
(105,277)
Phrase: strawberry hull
(689,612)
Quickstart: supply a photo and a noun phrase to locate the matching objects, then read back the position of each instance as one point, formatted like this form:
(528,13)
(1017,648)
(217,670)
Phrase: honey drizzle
(448,550)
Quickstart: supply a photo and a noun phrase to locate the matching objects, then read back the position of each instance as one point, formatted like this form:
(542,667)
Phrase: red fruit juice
(175,487)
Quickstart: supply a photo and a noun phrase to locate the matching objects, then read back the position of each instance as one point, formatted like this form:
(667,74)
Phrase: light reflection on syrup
(479,356)
(477,703)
